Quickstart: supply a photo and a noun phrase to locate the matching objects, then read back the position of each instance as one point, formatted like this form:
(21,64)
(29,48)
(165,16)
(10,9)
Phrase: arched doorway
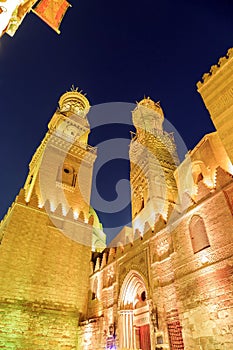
(134,313)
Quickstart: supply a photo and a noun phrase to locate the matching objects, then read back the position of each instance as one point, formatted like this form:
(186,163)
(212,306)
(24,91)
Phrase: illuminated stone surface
(45,250)
(165,283)
(217,93)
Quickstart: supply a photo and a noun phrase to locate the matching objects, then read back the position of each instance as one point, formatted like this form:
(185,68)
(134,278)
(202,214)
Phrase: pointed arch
(133,285)
(198,234)
(134,311)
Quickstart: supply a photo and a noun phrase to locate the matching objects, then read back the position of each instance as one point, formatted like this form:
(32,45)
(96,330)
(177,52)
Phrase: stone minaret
(46,238)
(153,160)
(61,168)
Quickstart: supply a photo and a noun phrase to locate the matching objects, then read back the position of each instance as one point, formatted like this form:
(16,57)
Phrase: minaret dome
(150,104)
(148,115)
(74,101)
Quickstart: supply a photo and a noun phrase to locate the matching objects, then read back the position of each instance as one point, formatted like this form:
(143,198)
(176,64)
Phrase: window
(31,178)
(198,234)
(66,175)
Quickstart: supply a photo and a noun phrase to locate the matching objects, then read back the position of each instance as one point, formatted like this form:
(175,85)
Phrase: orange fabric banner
(52,12)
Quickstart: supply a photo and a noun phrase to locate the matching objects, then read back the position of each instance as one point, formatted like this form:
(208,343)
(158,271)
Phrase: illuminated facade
(46,238)
(165,283)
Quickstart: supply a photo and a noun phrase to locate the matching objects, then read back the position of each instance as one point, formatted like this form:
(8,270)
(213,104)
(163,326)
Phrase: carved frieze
(162,248)
(221,103)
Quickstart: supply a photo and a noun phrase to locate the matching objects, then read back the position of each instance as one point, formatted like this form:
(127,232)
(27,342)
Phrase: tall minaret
(61,169)
(153,159)
(46,237)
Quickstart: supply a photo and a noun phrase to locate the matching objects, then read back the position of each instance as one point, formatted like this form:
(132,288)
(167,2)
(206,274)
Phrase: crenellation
(222,178)
(187,202)
(215,68)
(160,223)
(202,191)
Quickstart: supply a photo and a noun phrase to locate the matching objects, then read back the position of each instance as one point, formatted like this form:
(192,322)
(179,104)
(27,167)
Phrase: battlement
(174,213)
(216,68)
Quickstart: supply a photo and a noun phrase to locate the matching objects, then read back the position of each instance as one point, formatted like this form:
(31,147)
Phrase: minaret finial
(74,101)
(73,88)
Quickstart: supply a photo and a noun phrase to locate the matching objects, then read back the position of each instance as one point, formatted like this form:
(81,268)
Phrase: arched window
(198,234)
(199,171)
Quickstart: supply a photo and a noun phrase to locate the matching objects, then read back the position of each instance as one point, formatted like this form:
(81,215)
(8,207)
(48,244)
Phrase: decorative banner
(6,10)
(18,15)
(52,12)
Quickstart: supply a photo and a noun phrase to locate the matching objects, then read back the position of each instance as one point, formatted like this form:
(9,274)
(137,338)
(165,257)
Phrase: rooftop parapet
(215,68)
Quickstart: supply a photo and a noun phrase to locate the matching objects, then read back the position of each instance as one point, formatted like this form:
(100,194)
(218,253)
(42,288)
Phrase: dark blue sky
(114,51)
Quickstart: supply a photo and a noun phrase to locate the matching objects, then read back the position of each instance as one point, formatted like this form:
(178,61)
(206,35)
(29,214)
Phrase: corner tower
(216,90)
(47,235)
(153,159)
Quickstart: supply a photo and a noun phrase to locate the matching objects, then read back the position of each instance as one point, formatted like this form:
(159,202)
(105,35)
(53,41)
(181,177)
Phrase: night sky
(115,51)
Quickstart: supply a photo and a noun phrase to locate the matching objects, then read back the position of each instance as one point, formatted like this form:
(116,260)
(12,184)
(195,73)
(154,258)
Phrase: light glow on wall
(230,167)
(148,215)
(52,206)
(87,337)
(204,258)
(131,288)
(64,210)
(208,182)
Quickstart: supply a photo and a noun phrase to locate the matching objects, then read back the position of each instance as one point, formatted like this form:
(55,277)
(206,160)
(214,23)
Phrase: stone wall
(217,93)
(191,291)
(43,281)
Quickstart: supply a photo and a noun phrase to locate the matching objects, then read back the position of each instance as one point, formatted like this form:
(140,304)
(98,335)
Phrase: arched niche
(198,234)
(134,313)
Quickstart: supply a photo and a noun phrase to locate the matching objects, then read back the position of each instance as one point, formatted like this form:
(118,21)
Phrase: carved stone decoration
(222,102)
(162,246)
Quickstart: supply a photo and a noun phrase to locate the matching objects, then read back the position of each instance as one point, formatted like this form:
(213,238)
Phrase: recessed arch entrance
(134,313)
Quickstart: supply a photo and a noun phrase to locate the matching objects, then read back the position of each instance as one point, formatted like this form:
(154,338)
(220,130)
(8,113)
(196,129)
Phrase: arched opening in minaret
(134,314)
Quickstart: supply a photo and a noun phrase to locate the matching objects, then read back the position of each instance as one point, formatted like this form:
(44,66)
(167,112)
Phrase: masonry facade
(165,282)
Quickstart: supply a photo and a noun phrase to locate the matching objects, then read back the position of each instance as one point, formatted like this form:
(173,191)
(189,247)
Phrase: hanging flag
(18,15)
(52,12)
(7,8)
